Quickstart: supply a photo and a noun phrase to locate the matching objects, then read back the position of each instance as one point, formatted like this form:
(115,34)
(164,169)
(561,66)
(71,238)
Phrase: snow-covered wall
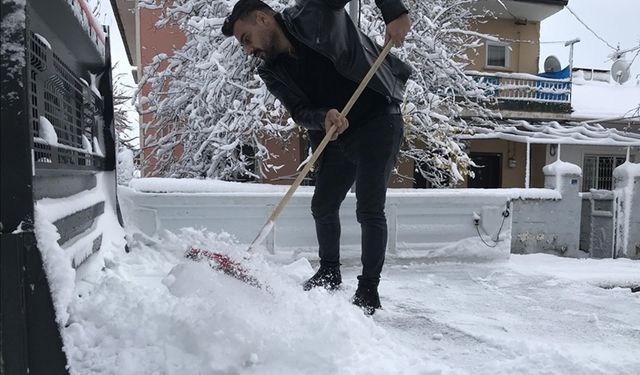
(422,223)
(627,205)
(551,226)
(575,154)
(434,223)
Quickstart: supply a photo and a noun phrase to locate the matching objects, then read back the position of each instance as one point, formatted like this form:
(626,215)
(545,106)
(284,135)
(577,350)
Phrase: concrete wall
(436,224)
(549,226)
(431,223)
(524,56)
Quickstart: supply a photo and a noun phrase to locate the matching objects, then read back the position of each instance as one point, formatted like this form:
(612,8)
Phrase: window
(498,54)
(598,171)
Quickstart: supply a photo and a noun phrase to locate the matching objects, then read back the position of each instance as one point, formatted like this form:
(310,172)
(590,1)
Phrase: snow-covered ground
(151,311)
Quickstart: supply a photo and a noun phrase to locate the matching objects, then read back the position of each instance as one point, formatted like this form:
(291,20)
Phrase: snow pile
(597,272)
(126,166)
(534,314)
(57,265)
(183,317)
(86,144)
(627,170)
(58,259)
(95,81)
(481,248)
(191,185)
(43,40)
(96,147)
(561,168)
(46,131)
(602,100)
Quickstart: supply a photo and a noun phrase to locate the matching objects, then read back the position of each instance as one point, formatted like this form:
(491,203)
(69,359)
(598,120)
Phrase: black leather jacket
(325,27)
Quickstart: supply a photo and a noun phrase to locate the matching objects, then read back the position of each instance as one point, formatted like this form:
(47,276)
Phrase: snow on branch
(209,103)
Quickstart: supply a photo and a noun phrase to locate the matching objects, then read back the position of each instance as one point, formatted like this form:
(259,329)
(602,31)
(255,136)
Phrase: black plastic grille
(68,103)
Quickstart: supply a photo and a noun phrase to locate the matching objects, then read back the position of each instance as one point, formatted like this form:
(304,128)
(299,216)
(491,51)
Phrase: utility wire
(590,29)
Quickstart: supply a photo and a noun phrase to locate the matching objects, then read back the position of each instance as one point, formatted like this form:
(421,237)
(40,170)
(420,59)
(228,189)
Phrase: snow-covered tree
(208,99)
(122,94)
(440,97)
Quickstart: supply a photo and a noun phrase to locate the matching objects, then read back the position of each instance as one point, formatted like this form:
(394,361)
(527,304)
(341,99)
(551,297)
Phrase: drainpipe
(138,53)
(527,177)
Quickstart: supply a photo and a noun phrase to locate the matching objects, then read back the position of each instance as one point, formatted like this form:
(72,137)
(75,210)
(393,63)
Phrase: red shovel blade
(223,263)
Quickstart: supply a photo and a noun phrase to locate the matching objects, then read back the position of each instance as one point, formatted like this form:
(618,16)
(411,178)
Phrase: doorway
(488,174)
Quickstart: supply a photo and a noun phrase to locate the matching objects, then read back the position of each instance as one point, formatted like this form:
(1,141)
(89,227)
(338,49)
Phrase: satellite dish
(552,64)
(620,71)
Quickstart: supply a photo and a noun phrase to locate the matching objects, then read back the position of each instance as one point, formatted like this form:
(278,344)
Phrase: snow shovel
(232,268)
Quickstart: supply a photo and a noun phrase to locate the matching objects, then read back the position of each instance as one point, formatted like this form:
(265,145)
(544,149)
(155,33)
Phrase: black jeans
(367,156)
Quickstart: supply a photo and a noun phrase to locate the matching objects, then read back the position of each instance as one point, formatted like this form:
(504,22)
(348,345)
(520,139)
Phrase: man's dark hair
(241,10)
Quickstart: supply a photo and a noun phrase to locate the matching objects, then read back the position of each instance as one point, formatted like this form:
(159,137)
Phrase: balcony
(522,92)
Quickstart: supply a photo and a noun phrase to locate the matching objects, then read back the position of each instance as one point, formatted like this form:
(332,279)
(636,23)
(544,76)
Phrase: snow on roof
(596,100)
(554,133)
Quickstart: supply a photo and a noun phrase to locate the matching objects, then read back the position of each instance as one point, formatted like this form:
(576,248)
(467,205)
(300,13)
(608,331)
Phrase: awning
(555,133)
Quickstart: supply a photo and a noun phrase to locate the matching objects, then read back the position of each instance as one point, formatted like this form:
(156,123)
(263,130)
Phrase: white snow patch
(86,144)
(186,185)
(597,272)
(19,229)
(189,185)
(96,147)
(561,168)
(532,314)
(602,100)
(627,170)
(46,131)
(126,166)
(53,209)
(57,265)
(43,40)
(95,78)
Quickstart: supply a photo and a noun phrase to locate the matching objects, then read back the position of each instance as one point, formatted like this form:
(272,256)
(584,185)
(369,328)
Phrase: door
(488,174)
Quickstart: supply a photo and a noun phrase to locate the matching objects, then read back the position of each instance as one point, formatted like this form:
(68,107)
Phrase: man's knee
(369,216)
(321,211)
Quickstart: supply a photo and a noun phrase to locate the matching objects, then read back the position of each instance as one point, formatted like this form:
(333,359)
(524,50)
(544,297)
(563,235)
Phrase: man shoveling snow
(314,58)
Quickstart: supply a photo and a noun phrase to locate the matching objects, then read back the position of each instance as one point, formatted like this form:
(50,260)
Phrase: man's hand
(397,30)
(334,118)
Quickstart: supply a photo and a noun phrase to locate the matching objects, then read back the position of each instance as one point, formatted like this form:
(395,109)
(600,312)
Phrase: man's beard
(270,52)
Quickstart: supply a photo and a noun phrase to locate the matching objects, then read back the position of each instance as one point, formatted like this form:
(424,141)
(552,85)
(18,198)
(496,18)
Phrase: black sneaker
(367,297)
(326,277)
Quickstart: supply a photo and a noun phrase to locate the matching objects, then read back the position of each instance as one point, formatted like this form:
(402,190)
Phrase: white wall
(428,223)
